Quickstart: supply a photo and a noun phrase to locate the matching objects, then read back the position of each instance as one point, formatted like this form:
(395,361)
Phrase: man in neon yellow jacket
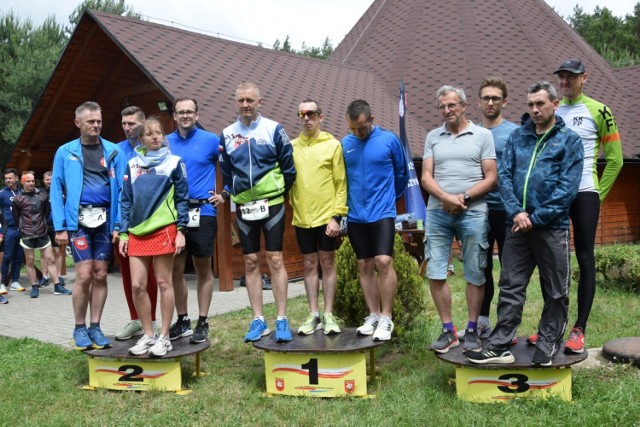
(319,200)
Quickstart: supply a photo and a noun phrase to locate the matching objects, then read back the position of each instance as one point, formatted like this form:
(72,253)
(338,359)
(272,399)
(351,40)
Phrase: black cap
(574,66)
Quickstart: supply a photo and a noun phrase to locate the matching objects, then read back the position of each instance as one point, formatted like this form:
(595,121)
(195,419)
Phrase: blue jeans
(13,254)
(471,227)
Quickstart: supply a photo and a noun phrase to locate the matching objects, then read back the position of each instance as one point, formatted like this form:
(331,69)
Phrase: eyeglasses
(450,107)
(185,113)
(308,114)
(494,99)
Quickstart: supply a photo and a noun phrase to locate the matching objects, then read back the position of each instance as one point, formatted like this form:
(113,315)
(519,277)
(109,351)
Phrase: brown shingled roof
(431,43)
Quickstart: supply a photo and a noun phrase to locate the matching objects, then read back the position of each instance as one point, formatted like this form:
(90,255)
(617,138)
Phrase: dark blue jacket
(541,175)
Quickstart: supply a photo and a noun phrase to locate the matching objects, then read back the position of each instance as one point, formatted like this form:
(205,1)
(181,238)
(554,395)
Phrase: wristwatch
(338,218)
(467,198)
(225,195)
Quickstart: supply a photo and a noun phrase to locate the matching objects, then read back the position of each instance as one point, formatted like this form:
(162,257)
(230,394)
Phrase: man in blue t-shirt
(492,100)
(199,151)
(85,193)
(13,253)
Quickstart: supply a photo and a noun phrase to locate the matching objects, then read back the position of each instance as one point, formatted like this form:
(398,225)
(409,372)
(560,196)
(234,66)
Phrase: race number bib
(255,210)
(92,217)
(194,218)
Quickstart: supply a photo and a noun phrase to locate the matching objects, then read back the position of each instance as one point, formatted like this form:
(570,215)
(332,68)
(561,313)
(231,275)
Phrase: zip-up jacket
(153,196)
(256,161)
(594,123)
(320,189)
(30,211)
(6,200)
(67,179)
(377,175)
(541,175)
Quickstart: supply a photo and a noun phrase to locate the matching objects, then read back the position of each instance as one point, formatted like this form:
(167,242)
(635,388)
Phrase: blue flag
(413,195)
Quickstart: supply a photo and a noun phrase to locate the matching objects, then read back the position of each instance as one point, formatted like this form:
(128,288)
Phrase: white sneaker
(131,329)
(3,289)
(143,345)
(161,347)
(384,329)
(15,286)
(369,325)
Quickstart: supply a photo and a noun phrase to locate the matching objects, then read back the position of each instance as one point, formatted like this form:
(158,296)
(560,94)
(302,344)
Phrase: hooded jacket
(320,189)
(541,175)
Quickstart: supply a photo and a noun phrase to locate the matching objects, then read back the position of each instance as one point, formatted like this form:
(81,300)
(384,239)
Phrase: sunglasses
(308,114)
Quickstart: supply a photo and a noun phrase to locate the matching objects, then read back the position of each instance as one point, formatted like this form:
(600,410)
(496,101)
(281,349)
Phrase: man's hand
(452,204)
(123,246)
(521,222)
(333,228)
(62,237)
(180,243)
(215,199)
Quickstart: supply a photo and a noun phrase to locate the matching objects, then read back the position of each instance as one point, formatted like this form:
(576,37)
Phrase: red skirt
(160,242)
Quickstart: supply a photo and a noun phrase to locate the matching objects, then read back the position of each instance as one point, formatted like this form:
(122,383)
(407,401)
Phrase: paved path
(49,318)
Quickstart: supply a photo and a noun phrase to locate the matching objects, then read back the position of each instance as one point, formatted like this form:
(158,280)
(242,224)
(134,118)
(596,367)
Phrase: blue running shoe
(35,291)
(283,333)
(98,338)
(257,330)
(81,340)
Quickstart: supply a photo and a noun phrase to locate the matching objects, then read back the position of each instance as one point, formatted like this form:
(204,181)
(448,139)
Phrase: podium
(114,368)
(319,365)
(498,382)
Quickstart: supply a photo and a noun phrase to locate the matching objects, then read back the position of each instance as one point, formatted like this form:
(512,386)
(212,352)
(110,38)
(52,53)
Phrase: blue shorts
(91,243)
(471,227)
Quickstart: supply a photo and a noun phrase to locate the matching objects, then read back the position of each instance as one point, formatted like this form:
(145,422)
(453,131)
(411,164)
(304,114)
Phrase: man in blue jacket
(377,175)
(85,192)
(539,178)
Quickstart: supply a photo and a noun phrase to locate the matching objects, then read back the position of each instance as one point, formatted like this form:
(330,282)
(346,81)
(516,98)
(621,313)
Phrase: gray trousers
(549,251)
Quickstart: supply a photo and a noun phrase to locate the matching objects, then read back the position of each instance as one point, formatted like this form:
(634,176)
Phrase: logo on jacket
(237,140)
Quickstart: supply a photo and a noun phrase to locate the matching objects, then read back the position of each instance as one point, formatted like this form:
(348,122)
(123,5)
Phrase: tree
(322,52)
(616,39)
(116,7)
(27,58)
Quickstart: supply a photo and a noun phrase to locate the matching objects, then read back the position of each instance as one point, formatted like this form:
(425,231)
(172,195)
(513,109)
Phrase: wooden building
(119,61)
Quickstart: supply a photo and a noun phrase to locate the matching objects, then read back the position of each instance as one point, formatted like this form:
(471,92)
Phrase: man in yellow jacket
(319,200)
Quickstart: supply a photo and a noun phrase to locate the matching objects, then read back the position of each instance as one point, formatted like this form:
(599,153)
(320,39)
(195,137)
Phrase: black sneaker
(201,333)
(490,356)
(471,341)
(35,291)
(540,358)
(180,329)
(43,282)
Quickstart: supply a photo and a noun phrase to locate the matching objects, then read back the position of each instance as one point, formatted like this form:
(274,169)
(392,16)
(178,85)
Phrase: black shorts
(52,236)
(199,241)
(373,238)
(35,242)
(272,227)
(310,240)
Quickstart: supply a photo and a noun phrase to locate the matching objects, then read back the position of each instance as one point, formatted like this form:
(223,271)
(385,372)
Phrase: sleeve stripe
(613,137)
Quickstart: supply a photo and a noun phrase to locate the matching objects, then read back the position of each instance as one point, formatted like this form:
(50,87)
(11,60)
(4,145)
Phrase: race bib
(194,218)
(255,210)
(92,217)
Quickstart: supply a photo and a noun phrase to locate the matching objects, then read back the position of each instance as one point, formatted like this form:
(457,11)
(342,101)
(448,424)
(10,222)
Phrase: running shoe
(3,300)
(180,329)
(257,330)
(201,333)
(484,329)
(143,345)
(471,341)
(59,289)
(283,333)
(384,329)
(576,342)
(490,356)
(98,338)
(15,286)
(132,329)
(81,340)
(329,324)
(35,291)
(540,358)
(369,326)
(44,281)
(161,347)
(3,289)
(310,325)
(447,340)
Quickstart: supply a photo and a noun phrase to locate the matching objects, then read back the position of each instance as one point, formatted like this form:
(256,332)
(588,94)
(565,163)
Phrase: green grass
(42,383)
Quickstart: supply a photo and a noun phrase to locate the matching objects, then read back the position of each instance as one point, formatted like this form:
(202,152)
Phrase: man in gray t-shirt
(458,169)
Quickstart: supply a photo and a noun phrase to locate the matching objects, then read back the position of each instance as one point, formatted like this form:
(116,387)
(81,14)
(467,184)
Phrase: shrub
(410,301)
(617,266)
